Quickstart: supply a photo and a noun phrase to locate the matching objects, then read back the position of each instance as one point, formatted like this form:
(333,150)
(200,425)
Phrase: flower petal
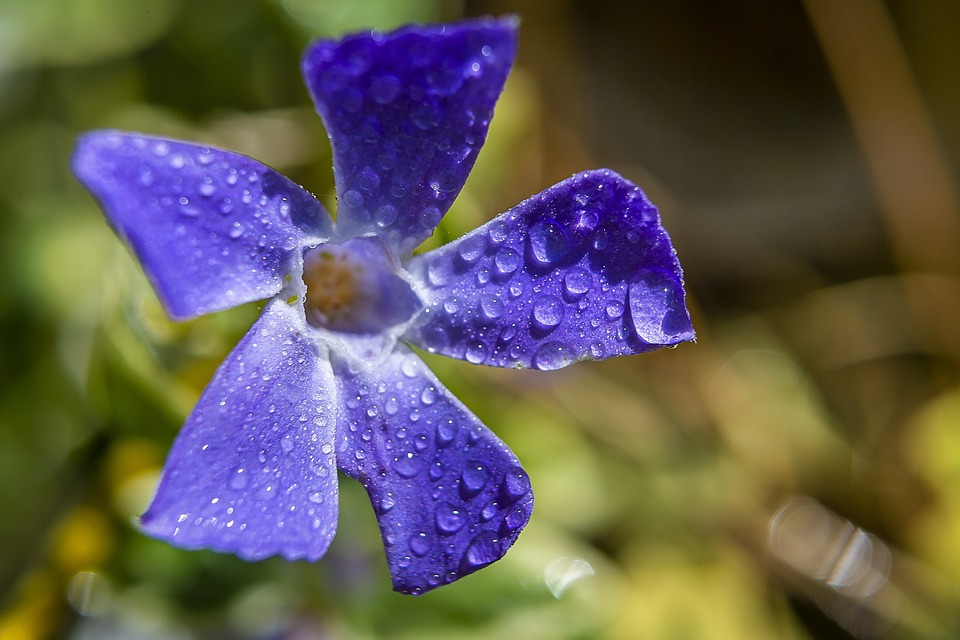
(253,470)
(583,270)
(449,495)
(407,113)
(212,228)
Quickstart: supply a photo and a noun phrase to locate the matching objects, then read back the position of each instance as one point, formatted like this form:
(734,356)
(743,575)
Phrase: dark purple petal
(253,471)
(212,228)
(583,270)
(407,113)
(449,495)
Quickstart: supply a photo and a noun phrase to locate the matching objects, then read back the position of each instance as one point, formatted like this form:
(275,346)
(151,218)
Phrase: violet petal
(407,113)
(583,270)
(213,229)
(253,470)
(449,495)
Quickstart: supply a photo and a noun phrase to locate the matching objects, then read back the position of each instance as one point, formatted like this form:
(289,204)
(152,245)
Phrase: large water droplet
(548,310)
(419,544)
(473,479)
(482,550)
(577,282)
(477,352)
(449,519)
(548,242)
(506,261)
(614,309)
(407,465)
(516,518)
(491,306)
(369,180)
(553,355)
(656,308)
(447,431)
(239,479)
(516,482)
(471,248)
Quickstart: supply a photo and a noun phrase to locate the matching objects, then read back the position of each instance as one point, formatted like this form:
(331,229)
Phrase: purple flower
(324,379)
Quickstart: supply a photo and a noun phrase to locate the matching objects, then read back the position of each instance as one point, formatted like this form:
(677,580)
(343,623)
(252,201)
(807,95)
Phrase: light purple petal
(407,113)
(212,228)
(449,495)
(253,471)
(583,270)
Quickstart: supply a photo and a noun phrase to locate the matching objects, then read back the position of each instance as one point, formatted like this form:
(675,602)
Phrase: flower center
(354,288)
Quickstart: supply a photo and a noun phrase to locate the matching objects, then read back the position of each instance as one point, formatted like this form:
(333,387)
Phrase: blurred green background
(795,474)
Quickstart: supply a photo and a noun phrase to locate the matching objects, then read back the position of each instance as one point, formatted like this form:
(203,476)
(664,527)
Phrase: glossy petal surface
(253,470)
(583,270)
(212,228)
(407,113)
(449,495)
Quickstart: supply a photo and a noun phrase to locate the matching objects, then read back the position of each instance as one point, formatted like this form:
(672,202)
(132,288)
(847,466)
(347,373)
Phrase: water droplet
(436,471)
(177,161)
(600,240)
(516,482)
(447,431)
(471,248)
(315,497)
(491,306)
(387,503)
(286,444)
(369,180)
(239,479)
(409,367)
(391,406)
(419,544)
(353,199)
(439,271)
(614,309)
(506,261)
(477,352)
(516,518)
(548,242)
(473,478)
(428,396)
(587,221)
(656,308)
(490,510)
(327,448)
(236,230)
(597,350)
(497,231)
(207,187)
(407,465)
(548,310)
(482,550)
(267,492)
(386,215)
(384,88)
(577,282)
(430,217)
(449,519)
(553,355)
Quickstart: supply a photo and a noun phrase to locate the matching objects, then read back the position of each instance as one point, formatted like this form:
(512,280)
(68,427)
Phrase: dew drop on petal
(516,482)
(477,352)
(577,282)
(449,519)
(548,310)
(506,261)
(491,306)
(614,309)
(548,242)
(447,431)
(553,355)
(473,478)
(419,544)
(471,248)
(482,550)
(655,308)
(406,465)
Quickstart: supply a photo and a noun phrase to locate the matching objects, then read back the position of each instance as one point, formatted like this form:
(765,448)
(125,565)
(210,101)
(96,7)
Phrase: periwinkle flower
(325,379)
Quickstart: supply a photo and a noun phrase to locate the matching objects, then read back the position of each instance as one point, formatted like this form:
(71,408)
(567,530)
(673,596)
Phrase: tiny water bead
(354,288)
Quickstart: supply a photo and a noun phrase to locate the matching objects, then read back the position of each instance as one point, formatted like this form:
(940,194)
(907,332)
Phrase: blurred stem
(916,192)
